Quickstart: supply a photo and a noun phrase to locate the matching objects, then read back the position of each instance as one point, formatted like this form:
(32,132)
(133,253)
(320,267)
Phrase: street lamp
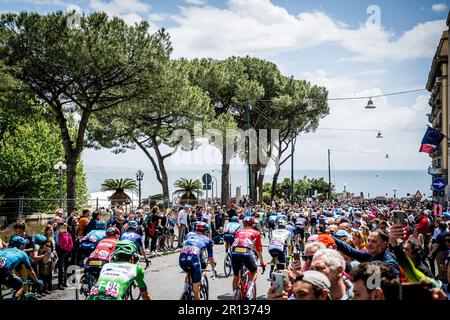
(60,166)
(345,185)
(139,178)
(214,183)
(395,190)
(370,104)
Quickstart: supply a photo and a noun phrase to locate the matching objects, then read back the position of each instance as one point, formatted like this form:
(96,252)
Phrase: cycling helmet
(39,239)
(234,219)
(100,225)
(112,231)
(132,225)
(126,248)
(282,224)
(17,242)
(248,221)
(201,227)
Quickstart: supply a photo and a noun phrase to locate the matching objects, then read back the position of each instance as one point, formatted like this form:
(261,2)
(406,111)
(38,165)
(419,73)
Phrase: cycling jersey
(191,255)
(90,241)
(102,252)
(11,259)
(272,218)
(245,239)
(280,239)
(114,280)
(230,231)
(133,237)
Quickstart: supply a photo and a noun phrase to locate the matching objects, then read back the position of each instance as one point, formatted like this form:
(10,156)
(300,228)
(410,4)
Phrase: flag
(431,140)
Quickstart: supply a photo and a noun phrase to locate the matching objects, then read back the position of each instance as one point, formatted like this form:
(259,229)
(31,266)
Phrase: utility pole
(292,171)
(250,185)
(329,176)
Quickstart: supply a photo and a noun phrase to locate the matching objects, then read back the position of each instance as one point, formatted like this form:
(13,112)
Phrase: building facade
(438,117)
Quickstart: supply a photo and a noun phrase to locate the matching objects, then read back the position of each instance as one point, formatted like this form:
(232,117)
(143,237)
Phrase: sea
(371,183)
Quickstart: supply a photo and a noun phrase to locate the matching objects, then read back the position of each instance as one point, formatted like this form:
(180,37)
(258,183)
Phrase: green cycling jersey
(114,280)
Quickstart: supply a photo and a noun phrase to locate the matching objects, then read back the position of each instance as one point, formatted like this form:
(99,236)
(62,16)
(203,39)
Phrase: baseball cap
(316,279)
(343,234)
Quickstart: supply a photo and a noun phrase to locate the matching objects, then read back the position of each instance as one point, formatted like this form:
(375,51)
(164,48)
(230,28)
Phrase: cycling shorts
(193,266)
(10,280)
(228,238)
(281,256)
(313,221)
(246,258)
(300,230)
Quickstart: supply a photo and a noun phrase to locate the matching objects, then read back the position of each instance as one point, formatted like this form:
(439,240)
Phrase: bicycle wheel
(134,293)
(174,242)
(237,294)
(227,265)
(204,289)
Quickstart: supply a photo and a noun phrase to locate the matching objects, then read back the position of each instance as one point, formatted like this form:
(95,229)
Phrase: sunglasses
(307,257)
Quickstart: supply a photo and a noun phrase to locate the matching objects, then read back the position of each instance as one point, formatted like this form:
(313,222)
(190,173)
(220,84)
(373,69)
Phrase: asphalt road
(165,279)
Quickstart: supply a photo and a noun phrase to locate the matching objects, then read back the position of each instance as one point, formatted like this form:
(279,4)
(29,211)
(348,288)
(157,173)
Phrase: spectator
(376,250)
(417,238)
(64,245)
(182,223)
(91,224)
(83,221)
(332,264)
(365,287)
(440,251)
(45,264)
(219,218)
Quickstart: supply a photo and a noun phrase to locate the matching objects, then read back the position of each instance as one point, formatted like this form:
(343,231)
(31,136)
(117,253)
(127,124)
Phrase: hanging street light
(379,135)
(370,104)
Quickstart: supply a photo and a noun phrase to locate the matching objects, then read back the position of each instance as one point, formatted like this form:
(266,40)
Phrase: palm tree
(188,189)
(119,186)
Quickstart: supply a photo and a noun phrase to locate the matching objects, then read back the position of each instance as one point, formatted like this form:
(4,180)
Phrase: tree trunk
(274,183)
(71,177)
(162,168)
(225,181)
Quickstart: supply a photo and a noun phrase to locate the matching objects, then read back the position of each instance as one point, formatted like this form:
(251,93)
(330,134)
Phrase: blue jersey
(133,237)
(195,243)
(90,241)
(232,227)
(273,218)
(12,258)
(282,217)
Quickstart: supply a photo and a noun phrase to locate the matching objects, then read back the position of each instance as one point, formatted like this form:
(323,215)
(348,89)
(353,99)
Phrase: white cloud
(196,2)
(258,27)
(119,7)
(439,7)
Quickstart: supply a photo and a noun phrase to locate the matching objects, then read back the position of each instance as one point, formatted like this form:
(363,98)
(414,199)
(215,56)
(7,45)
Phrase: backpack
(65,241)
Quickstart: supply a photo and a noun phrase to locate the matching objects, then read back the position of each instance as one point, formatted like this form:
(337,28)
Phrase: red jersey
(247,238)
(104,249)
(423,225)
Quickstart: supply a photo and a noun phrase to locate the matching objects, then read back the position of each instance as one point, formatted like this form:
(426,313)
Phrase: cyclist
(245,241)
(191,258)
(103,251)
(230,231)
(13,258)
(300,223)
(90,241)
(280,244)
(271,221)
(116,277)
(132,235)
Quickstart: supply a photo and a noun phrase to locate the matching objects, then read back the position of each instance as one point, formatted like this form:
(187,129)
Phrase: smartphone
(416,292)
(398,216)
(296,256)
(285,274)
(277,280)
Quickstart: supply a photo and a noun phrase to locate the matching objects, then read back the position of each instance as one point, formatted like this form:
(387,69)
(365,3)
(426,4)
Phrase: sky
(353,48)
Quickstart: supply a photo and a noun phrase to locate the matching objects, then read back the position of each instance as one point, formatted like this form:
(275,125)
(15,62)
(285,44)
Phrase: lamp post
(60,166)
(395,190)
(212,187)
(139,178)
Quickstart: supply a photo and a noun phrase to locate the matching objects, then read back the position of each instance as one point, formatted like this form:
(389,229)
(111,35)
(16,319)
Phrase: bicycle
(30,296)
(88,280)
(188,294)
(227,265)
(167,241)
(244,277)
